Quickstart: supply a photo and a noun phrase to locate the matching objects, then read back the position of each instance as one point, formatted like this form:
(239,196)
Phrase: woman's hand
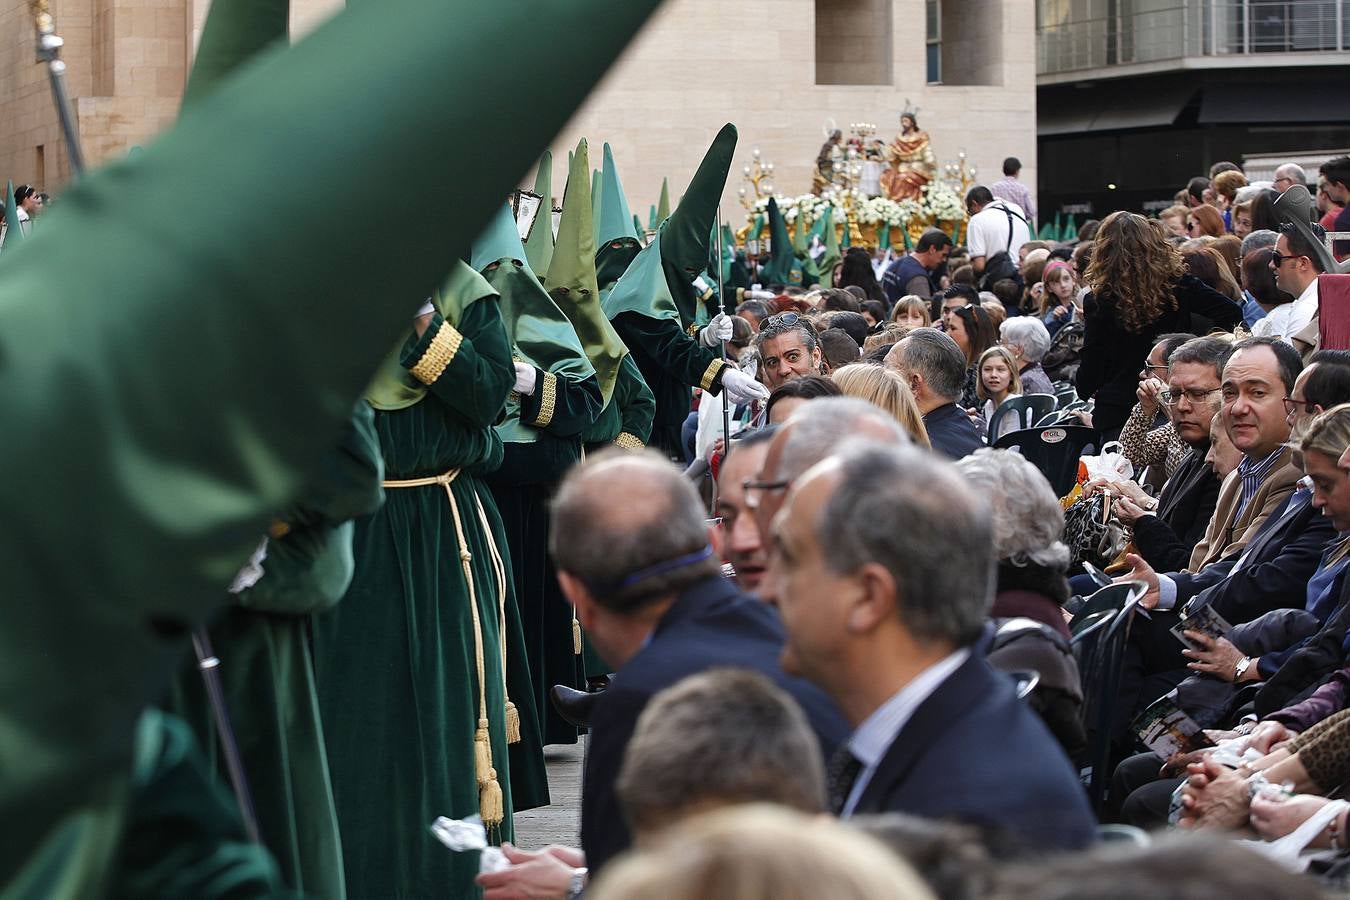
(1274,815)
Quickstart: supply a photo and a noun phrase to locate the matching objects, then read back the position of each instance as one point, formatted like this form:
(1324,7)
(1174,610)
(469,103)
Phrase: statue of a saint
(911,161)
(831,152)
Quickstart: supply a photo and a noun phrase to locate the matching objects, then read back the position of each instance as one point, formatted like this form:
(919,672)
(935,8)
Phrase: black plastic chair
(1112,597)
(1100,662)
(1024,682)
(1054,451)
(1065,395)
(1027,408)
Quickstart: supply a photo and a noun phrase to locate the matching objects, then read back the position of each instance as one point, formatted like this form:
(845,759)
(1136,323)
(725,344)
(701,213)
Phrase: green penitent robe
(184,837)
(267,672)
(397,659)
(627,419)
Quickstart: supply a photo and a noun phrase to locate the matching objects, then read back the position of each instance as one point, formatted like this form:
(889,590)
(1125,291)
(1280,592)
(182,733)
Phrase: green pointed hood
(659,283)
(663,205)
(799,235)
(13,230)
(685,233)
(782,267)
(571,280)
(651,218)
(832,255)
(616,219)
(539,243)
(235,32)
(596,191)
(394,387)
(637,226)
(616,243)
(540,334)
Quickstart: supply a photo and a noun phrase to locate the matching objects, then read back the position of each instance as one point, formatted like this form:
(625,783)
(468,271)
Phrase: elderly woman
(1027,339)
(1028,524)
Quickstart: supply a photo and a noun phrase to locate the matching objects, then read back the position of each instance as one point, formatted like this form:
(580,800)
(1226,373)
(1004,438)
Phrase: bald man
(646,586)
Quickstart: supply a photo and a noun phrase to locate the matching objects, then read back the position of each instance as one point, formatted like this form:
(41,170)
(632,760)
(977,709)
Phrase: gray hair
(1029,333)
(936,357)
(1258,239)
(820,426)
(908,511)
(769,330)
(605,543)
(1294,171)
(1207,351)
(1028,521)
(726,735)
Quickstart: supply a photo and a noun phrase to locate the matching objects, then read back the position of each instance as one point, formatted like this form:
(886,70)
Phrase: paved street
(560,822)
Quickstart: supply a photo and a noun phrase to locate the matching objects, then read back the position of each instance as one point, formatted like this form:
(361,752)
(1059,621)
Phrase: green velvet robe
(670,362)
(267,672)
(184,837)
(629,411)
(522,487)
(398,683)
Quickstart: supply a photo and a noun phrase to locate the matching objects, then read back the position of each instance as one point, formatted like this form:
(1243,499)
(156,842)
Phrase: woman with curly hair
(1138,288)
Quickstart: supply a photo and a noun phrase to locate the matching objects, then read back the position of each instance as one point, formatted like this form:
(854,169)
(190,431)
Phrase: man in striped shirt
(1010,189)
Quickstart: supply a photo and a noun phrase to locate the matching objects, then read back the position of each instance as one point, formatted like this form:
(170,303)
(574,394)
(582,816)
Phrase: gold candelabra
(757,179)
(960,173)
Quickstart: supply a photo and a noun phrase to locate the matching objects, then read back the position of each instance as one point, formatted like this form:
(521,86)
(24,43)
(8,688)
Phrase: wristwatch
(578,883)
(1241,668)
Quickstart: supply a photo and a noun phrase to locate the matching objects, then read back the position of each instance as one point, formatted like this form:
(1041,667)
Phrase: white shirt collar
(879,730)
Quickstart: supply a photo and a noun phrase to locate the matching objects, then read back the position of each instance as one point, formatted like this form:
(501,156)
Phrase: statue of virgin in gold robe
(911,162)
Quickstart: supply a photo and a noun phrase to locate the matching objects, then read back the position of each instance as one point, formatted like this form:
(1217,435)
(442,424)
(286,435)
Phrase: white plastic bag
(468,834)
(1110,464)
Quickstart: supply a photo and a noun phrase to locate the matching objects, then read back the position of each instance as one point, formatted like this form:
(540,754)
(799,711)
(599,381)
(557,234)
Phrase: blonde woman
(885,388)
(761,853)
(998,381)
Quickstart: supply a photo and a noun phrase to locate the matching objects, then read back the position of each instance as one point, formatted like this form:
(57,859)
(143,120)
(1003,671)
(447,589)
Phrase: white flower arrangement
(937,203)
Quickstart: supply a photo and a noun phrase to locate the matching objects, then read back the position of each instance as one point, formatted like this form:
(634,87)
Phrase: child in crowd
(998,381)
(1056,299)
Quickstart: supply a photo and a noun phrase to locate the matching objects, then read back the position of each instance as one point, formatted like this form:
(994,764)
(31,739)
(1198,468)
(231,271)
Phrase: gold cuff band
(628,441)
(442,350)
(548,401)
(693,330)
(710,374)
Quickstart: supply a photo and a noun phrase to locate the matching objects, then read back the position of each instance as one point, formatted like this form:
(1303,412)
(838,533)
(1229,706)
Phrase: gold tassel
(576,636)
(512,723)
(491,807)
(499,569)
(482,753)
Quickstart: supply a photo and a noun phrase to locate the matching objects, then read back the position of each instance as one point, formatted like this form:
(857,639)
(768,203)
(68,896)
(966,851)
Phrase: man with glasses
(1288,175)
(1166,529)
(1147,437)
(1296,269)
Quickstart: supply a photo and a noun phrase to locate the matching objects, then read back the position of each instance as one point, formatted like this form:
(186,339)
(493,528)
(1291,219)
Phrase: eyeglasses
(1277,258)
(788,318)
(1149,369)
(754,490)
(1291,406)
(1195,395)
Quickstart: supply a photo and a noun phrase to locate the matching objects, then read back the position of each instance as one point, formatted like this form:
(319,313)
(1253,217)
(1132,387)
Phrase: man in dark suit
(935,370)
(647,589)
(883,569)
(1167,534)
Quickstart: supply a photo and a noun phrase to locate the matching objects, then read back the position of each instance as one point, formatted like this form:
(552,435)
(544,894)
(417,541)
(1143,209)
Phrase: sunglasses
(1277,258)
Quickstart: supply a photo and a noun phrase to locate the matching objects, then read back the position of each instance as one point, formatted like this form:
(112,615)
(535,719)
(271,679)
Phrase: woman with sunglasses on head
(1138,288)
(974,332)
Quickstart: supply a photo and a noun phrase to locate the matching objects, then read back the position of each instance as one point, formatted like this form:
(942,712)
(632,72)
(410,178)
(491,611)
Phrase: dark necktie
(840,776)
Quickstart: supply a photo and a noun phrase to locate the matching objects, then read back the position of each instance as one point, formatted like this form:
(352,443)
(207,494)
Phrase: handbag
(1091,532)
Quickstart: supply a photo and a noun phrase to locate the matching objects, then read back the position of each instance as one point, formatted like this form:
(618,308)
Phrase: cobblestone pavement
(559,822)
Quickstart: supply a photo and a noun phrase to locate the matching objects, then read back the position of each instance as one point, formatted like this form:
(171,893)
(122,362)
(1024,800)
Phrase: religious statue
(830,153)
(911,161)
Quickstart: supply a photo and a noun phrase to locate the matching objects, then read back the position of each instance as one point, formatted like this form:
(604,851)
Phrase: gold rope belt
(490,801)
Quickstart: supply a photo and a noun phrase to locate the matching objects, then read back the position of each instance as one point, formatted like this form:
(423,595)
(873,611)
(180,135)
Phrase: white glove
(741,388)
(524,379)
(755,294)
(716,331)
(701,286)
